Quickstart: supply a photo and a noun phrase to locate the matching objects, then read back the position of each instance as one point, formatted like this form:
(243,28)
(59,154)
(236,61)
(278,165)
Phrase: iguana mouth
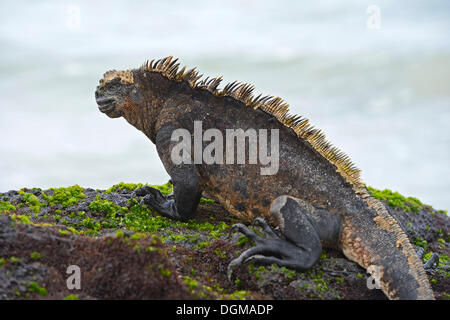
(105,104)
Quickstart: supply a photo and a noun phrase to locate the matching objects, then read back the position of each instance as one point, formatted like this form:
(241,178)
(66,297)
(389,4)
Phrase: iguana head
(136,95)
(117,93)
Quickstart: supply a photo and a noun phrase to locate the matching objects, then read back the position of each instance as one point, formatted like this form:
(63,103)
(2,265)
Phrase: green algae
(260,271)
(421,242)
(243,240)
(288,273)
(202,245)
(139,218)
(125,186)
(13,260)
(63,232)
(396,200)
(120,234)
(190,282)
(339,280)
(35,256)
(65,196)
(205,200)
(107,207)
(164,188)
(34,287)
(214,291)
(220,253)
(6,206)
(32,201)
(239,295)
(165,272)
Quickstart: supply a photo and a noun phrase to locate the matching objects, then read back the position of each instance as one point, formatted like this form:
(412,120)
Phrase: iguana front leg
(186,188)
(299,247)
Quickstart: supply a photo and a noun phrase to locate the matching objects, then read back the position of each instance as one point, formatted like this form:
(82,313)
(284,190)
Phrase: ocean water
(373,75)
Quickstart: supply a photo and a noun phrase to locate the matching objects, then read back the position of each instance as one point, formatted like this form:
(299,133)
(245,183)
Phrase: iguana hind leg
(299,246)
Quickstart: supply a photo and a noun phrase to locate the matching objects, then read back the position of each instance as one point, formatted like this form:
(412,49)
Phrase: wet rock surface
(127,251)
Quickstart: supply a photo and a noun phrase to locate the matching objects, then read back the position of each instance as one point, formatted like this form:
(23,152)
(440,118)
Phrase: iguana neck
(155,90)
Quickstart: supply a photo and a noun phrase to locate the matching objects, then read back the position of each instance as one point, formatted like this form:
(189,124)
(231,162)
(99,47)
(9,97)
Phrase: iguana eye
(113,86)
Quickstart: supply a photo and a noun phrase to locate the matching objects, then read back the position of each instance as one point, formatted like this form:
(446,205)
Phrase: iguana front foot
(156,200)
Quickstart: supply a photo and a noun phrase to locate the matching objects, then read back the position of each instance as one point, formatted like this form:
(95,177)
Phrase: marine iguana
(315,199)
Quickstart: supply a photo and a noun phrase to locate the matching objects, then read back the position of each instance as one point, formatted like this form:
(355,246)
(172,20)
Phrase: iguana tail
(380,245)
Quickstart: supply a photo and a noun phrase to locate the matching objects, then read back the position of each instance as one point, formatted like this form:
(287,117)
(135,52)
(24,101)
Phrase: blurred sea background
(374,75)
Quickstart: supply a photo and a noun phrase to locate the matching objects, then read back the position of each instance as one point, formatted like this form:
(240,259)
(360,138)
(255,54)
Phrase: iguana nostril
(102,101)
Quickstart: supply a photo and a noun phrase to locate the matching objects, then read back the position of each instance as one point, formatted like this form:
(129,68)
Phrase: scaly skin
(157,100)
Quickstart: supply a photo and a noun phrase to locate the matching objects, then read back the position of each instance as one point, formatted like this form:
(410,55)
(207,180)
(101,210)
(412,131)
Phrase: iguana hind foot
(299,245)
(432,263)
(268,250)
